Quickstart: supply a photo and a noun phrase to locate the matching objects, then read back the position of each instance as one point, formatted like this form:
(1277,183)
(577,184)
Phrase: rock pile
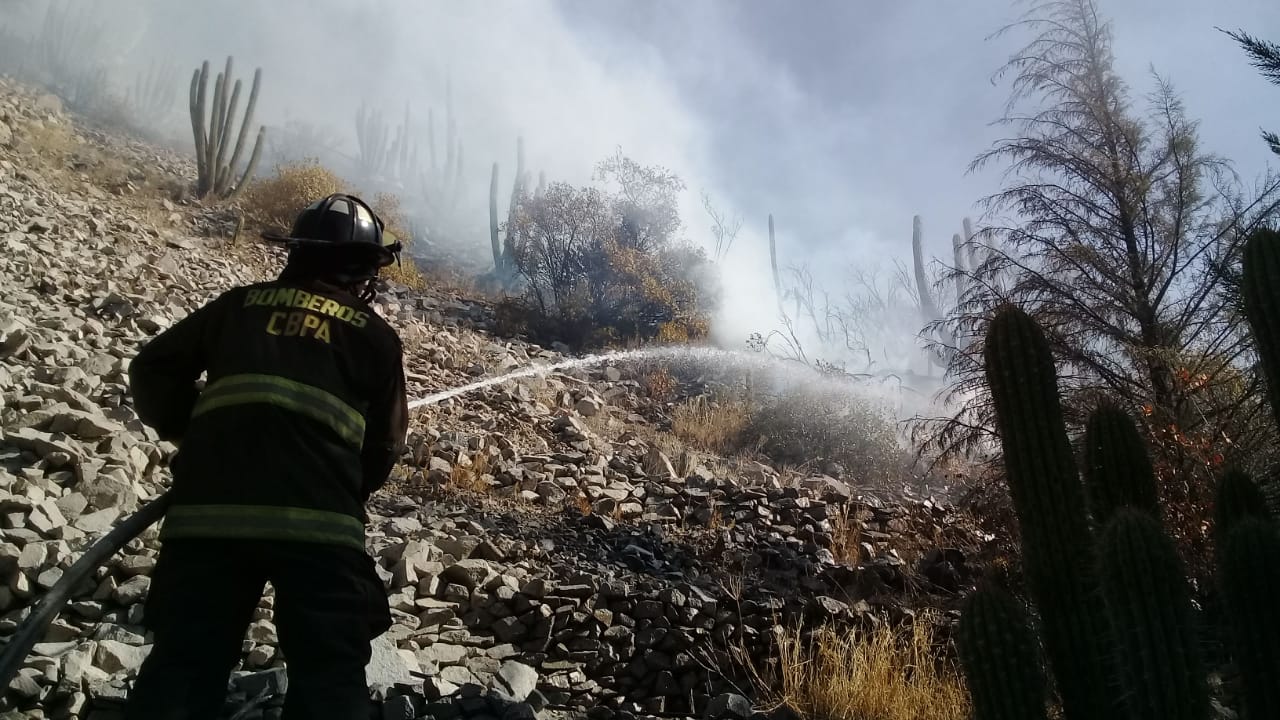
(535,566)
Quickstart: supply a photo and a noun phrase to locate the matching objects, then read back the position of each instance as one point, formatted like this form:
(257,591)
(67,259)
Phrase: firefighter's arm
(162,377)
(385,428)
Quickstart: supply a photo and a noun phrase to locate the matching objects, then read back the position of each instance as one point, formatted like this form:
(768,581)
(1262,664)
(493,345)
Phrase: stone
(114,657)
(386,667)
(133,565)
(440,654)
(24,685)
(400,707)
(515,681)
(469,573)
(729,706)
(99,522)
(132,591)
(263,631)
(265,683)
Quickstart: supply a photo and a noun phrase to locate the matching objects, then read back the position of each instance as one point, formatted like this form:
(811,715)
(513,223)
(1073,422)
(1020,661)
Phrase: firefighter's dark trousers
(328,606)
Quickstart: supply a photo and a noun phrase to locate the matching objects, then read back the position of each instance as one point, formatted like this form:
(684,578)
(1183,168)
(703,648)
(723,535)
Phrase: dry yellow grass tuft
(50,141)
(271,204)
(718,427)
(883,675)
(846,534)
(406,273)
(469,477)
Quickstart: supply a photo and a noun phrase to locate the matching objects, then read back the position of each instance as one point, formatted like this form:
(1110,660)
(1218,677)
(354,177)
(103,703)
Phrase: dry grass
(846,534)
(882,675)
(470,477)
(273,203)
(51,142)
(718,427)
(406,273)
(583,503)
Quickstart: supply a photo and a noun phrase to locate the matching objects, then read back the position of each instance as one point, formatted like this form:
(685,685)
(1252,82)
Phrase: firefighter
(301,418)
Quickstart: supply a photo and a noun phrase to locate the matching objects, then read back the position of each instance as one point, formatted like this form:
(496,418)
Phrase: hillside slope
(546,549)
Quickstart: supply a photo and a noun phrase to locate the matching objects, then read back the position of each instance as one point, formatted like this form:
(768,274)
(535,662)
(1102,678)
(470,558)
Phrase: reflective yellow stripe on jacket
(289,394)
(259,522)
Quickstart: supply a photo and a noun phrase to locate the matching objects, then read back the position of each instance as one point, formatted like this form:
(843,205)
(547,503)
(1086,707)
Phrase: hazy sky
(842,117)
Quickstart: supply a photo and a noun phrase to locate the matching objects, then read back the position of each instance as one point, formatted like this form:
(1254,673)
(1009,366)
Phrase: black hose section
(14,653)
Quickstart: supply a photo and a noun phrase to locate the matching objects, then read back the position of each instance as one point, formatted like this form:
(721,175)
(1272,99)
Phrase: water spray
(710,356)
(586,361)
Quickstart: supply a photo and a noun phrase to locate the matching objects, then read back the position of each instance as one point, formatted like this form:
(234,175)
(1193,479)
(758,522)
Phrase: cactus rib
(998,653)
(1117,470)
(1149,603)
(1049,500)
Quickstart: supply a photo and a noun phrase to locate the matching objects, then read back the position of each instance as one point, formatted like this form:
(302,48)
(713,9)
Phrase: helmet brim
(385,255)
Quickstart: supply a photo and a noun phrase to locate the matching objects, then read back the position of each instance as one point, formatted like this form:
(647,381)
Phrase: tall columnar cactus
(1057,549)
(998,652)
(773,262)
(499,264)
(974,259)
(504,248)
(215,174)
(1261,269)
(1250,574)
(930,306)
(1238,497)
(961,265)
(1148,602)
(929,311)
(1117,469)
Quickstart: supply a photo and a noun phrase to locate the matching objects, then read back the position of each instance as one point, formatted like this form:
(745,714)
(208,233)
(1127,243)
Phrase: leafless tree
(724,229)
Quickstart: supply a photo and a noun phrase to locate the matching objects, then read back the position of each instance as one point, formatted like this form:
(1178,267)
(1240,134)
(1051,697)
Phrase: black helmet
(339,238)
(341,220)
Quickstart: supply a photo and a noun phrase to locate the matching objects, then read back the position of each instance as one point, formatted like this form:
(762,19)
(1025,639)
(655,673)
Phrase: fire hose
(14,653)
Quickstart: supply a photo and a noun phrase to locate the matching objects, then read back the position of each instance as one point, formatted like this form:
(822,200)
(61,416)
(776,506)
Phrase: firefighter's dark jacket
(301,419)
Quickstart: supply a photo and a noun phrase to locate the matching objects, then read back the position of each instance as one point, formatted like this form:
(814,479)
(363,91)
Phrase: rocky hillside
(547,549)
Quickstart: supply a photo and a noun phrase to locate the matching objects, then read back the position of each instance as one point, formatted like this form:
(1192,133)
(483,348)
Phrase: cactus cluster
(211,124)
(931,310)
(154,93)
(391,154)
(442,183)
(503,249)
(1116,618)
(381,153)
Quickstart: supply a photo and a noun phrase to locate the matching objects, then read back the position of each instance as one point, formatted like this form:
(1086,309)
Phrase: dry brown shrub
(387,206)
(659,384)
(272,204)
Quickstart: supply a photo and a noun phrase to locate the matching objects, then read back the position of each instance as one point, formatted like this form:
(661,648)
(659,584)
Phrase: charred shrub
(605,265)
